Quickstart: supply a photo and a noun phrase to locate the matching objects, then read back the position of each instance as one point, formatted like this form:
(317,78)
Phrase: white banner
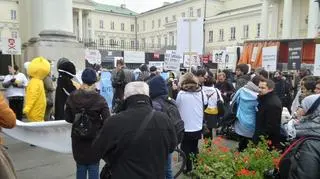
(134,57)
(183,35)
(157,64)
(11,46)
(172,61)
(51,135)
(316,69)
(219,56)
(269,58)
(193,61)
(93,56)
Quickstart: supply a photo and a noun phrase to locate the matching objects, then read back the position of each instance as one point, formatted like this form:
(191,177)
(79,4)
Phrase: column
(275,20)
(265,19)
(313,19)
(287,19)
(80,25)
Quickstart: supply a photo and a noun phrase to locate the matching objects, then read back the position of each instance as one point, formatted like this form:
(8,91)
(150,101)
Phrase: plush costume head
(35,103)
(66,68)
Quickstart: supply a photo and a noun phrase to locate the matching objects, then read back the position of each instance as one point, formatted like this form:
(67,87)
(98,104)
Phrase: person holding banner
(15,84)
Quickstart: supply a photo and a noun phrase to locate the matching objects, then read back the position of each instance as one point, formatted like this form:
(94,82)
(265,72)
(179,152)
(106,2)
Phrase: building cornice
(114,13)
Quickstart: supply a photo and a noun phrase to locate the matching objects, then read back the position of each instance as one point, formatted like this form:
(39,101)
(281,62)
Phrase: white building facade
(227,22)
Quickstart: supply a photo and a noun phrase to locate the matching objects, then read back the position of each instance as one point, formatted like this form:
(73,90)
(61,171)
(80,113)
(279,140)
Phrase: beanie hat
(158,87)
(244,68)
(89,76)
(153,69)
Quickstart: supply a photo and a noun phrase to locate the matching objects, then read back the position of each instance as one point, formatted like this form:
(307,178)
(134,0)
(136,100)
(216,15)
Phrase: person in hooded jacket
(307,158)
(128,154)
(65,86)
(246,100)
(242,76)
(191,101)
(97,108)
(35,104)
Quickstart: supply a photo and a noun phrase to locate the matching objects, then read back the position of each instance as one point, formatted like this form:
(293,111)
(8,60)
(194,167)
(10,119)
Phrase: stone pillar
(275,20)
(313,19)
(265,19)
(52,27)
(287,19)
(80,24)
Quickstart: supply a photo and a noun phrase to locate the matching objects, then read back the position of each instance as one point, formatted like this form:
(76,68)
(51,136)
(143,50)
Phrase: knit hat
(158,87)
(153,69)
(89,76)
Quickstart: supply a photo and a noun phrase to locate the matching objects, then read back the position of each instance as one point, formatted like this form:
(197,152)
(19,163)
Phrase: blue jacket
(247,103)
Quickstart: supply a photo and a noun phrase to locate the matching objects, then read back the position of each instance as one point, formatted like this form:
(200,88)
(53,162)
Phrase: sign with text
(158,64)
(172,61)
(191,60)
(219,56)
(134,57)
(106,87)
(316,69)
(269,58)
(93,56)
(11,46)
(294,57)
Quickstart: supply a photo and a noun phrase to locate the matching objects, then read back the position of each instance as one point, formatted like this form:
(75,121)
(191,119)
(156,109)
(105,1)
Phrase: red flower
(245,159)
(276,162)
(224,149)
(245,172)
(269,142)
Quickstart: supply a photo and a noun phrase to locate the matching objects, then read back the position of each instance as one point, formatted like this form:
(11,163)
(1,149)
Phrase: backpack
(170,108)
(291,156)
(83,126)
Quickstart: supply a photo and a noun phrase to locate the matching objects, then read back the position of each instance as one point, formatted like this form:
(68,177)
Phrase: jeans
(168,167)
(91,169)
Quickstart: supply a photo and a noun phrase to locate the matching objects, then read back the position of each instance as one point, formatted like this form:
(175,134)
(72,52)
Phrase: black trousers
(243,143)
(189,146)
(16,104)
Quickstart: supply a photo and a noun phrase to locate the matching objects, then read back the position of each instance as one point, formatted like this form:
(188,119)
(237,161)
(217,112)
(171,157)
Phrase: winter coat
(242,80)
(97,108)
(246,102)
(147,156)
(225,88)
(268,118)
(35,100)
(49,90)
(7,116)
(64,87)
(282,89)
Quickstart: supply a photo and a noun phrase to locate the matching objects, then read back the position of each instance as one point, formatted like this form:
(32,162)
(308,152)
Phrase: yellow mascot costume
(35,103)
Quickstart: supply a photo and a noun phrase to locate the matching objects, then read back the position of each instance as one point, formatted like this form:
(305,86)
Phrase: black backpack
(83,126)
(170,108)
(291,156)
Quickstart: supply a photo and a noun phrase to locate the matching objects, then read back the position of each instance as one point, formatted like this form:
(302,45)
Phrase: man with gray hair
(135,143)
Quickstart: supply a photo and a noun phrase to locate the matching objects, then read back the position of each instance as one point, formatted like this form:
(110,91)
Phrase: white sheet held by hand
(51,135)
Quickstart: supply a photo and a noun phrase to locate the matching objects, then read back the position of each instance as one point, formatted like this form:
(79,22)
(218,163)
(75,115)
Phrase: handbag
(106,172)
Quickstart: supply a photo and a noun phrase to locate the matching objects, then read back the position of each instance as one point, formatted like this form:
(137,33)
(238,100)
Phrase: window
(233,33)
(144,25)
(166,20)
(14,34)
(152,24)
(159,23)
(122,26)
(132,27)
(159,42)
(211,36)
(113,42)
(183,14)
(101,41)
(137,43)
(174,17)
(199,12)
(101,24)
(152,42)
(245,31)
(258,29)
(191,11)
(221,35)
(89,23)
(122,43)
(13,14)
(143,41)
(165,41)
(112,25)
(132,43)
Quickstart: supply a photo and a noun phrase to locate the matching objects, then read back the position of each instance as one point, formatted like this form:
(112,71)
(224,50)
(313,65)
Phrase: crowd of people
(152,115)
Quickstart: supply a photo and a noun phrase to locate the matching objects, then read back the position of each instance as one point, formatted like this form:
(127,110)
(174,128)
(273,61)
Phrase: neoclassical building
(226,22)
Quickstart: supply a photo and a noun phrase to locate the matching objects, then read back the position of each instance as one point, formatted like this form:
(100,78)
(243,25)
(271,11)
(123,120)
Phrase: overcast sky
(137,5)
